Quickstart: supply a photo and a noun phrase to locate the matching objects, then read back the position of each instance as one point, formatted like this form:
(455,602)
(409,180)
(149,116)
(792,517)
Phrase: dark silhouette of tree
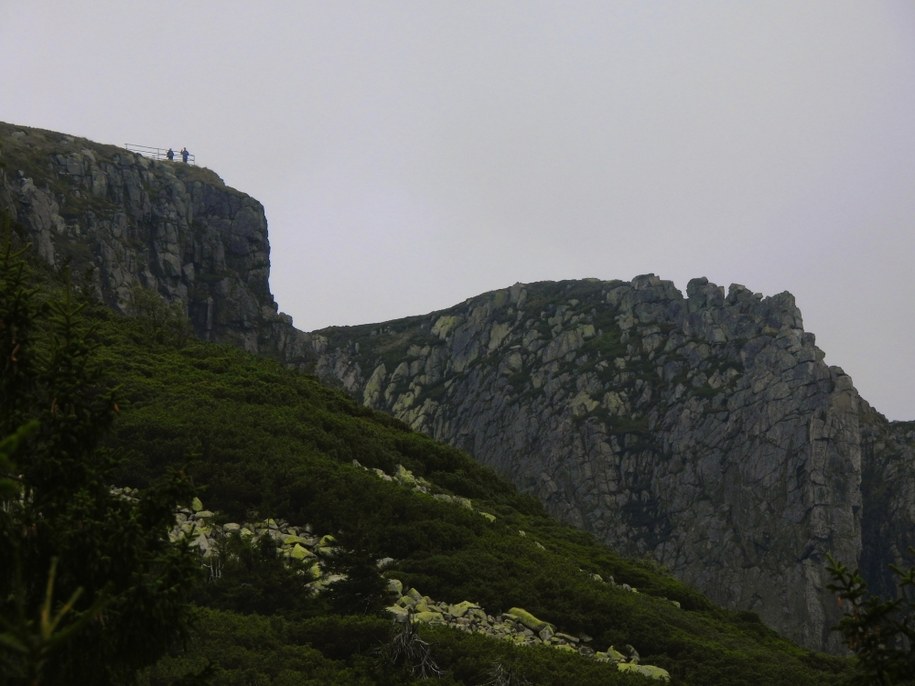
(879,631)
(362,590)
(91,589)
(253,578)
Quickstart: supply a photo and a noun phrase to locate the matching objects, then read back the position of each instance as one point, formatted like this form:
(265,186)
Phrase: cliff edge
(136,223)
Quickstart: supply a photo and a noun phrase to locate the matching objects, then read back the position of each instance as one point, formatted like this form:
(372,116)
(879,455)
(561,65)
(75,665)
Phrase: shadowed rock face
(168,227)
(702,431)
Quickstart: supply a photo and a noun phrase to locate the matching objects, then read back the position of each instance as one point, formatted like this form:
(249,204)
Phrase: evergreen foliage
(252,579)
(91,589)
(879,631)
(362,590)
(259,441)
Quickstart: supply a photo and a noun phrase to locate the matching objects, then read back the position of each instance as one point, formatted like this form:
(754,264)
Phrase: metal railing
(159,153)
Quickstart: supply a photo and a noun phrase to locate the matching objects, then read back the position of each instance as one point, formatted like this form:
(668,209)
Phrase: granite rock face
(701,430)
(704,431)
(144,225)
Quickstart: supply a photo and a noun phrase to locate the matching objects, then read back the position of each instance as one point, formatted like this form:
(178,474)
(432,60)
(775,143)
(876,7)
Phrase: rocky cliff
(142,225)
(704,432)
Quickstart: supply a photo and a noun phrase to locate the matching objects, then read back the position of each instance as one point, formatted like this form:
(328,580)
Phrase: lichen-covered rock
(517,626)
(462,608)
(651,671)
(428,617)
(610,655)
(400,614)
(300,552)
(326,546)
(527,619)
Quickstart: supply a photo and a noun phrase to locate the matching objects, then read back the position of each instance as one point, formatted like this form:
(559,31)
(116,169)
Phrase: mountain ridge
(704,432)
(620,414)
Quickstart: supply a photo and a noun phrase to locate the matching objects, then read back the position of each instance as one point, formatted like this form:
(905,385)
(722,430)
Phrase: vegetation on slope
(257,440)
(261,441)
(91,588)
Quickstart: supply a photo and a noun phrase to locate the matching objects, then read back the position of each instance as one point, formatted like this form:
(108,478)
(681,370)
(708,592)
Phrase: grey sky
(413,154)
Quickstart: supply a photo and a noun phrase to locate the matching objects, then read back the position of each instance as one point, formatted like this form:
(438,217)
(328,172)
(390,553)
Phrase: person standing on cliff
(170,154)
(184,154)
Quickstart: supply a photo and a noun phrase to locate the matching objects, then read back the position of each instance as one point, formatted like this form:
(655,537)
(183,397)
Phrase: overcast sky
(413,154)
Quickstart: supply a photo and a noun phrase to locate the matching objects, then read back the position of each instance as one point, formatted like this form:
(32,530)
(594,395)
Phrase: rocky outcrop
(704,431)
(516,625)
(311,555)
(888,492)
(138,225)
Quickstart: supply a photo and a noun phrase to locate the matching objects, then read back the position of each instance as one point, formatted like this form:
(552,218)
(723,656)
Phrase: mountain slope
(261,441)
(704,432)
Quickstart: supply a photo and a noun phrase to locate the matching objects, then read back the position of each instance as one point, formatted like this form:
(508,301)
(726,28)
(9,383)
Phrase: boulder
(299,552)
(462,608)
(652,672)
(527,620)
(429,617)
(400,614)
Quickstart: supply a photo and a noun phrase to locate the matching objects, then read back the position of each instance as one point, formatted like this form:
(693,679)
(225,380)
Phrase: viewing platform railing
(159,153)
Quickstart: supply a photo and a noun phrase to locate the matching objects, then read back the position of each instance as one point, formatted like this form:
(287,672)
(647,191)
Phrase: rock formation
(313,555)
(703,431)
(139,224)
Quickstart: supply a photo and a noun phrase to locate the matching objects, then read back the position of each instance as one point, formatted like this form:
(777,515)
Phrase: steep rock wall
(170,228)
(703,431)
